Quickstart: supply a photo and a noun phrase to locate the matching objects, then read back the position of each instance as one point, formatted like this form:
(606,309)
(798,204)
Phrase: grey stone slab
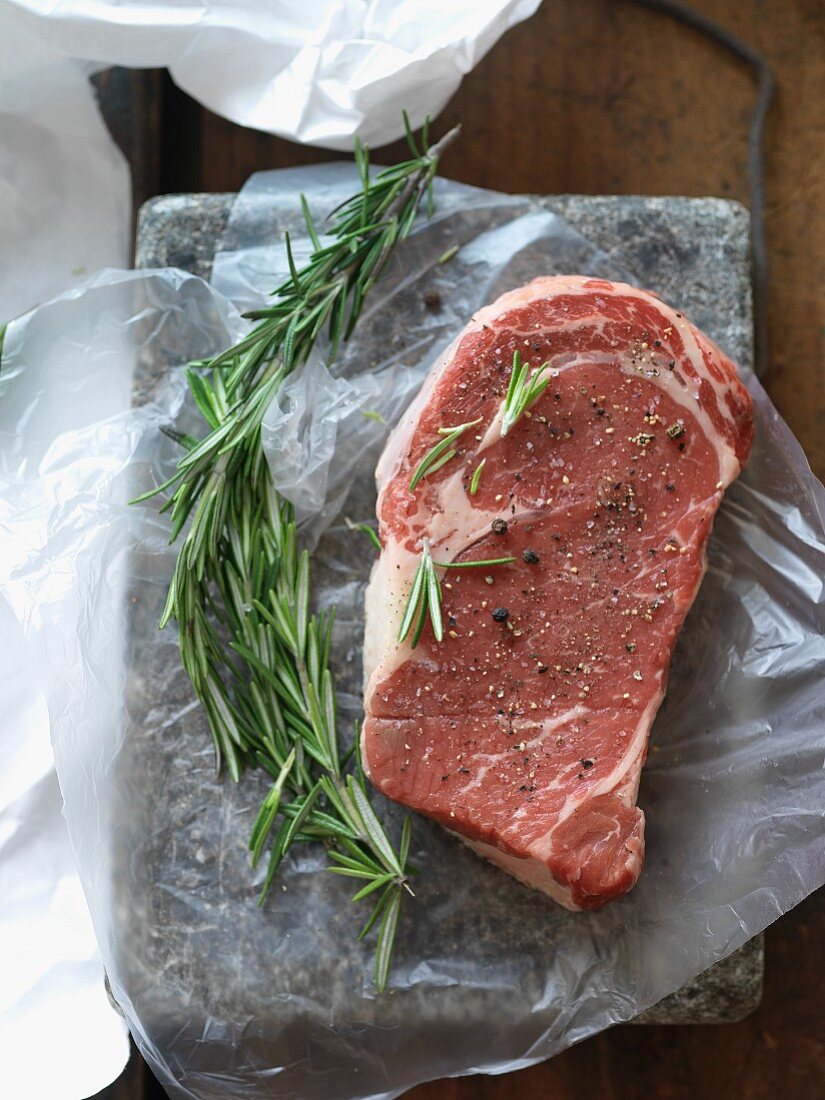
(659,236)
(181,231)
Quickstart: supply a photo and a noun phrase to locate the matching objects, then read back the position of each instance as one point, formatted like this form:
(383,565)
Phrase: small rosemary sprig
(440,454)
(257,658)
(424,599)
(524,390)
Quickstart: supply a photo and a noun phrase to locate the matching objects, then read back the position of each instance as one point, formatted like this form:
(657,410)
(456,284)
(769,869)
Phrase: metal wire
(766,87)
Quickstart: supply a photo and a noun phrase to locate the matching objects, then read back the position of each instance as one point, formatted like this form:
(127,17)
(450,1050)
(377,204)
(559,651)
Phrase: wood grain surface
(601,97)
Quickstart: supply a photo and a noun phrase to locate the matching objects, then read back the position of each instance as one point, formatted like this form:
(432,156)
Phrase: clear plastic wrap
(229,1000)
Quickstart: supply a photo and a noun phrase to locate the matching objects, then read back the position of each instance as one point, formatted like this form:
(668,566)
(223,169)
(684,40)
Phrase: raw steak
(525,733)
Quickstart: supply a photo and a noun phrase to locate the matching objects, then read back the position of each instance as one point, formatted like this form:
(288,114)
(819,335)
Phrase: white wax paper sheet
(64,211)
(65,192)
(314,71)
(228,1000)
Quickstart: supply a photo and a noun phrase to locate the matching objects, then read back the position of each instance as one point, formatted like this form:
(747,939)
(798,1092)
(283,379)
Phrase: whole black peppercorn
(499,526)
(501,614)
(530,556)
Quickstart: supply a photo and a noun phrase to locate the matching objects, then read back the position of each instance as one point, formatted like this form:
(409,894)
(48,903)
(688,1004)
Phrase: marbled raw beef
(526,737)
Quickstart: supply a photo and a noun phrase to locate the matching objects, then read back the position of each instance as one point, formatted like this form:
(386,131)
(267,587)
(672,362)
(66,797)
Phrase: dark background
(607,97)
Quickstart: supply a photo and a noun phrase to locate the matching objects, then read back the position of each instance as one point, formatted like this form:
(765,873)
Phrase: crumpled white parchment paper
(65,192)
(64,211)
(314,71)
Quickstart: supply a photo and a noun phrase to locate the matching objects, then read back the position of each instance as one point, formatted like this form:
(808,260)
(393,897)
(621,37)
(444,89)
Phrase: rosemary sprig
(257,658)
(441,453)
(524,390)
(424,599)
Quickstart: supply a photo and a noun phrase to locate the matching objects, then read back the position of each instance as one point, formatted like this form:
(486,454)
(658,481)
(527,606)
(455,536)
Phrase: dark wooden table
(605,97)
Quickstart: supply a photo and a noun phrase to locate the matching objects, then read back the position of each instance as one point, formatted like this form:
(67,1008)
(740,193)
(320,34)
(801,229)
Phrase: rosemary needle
(476,478)
(365,529)
(445,257)
(474,564)
(258,658)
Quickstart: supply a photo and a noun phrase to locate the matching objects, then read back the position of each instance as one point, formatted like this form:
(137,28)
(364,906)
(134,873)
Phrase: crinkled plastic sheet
(229,1000)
